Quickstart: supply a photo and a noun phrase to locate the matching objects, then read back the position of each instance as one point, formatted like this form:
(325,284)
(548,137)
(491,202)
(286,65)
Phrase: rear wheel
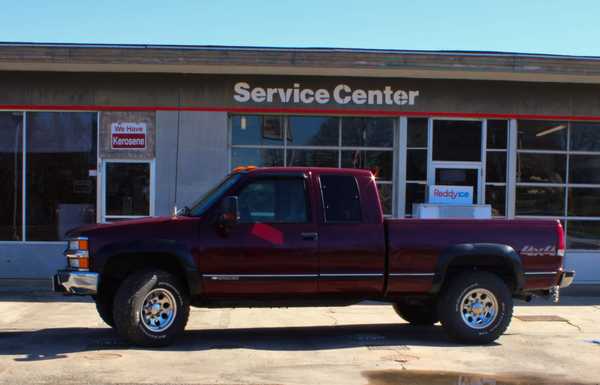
(151,308)
(475,308)
(417,314)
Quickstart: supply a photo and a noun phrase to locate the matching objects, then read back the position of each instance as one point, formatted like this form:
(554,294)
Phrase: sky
(570,27)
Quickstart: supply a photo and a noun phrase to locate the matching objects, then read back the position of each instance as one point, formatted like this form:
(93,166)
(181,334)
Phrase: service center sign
(451,195)
(128,136)
(340,94)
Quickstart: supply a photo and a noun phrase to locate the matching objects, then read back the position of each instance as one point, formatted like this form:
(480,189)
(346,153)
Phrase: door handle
(310,236)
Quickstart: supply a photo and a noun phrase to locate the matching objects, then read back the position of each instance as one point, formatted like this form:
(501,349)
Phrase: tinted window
(313,131)
(11,163)
(417,132)
(496,133)
(380,163)
(585,136)
(61,164)
(274,201)
(341,198)
(541,168)
(128,189)
(542,135)
(456,140)
(256,129)
(370,132)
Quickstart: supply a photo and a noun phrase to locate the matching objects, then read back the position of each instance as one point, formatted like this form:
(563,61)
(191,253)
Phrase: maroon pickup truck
(310,237)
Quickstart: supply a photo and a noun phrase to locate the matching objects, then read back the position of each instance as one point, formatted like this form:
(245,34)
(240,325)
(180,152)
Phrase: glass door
(127,189)
(456,155)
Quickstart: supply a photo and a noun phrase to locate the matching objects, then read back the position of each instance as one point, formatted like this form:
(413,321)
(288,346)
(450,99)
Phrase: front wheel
(475,308)
(151,308)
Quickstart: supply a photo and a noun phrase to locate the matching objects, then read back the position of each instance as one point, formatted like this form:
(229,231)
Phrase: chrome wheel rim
(479,308)
(158,310)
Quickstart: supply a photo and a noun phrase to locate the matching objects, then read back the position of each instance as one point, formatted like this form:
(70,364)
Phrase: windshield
(207,200)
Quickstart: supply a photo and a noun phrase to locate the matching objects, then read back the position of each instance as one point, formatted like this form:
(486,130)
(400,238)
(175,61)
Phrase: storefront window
(312,158)
(61,168)
(259,157)
(317,141)
(542,135)
(256,130)
(541,168)
(561,181)
(495,166)
(416,163)
(367,132)
(313,131)
(583,235)
(11,172)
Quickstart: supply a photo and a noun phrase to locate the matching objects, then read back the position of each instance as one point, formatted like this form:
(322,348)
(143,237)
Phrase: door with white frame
(128,189)
(457,154)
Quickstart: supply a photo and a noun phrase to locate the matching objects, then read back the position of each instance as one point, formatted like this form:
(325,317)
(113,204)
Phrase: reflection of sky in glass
(313,131)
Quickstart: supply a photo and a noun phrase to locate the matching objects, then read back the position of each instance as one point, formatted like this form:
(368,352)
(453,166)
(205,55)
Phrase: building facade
(104,133)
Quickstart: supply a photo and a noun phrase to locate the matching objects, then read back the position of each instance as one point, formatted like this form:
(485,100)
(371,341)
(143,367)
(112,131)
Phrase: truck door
(351,239)
(272,250)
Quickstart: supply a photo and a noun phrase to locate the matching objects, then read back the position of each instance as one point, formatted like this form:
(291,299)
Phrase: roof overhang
(299,61)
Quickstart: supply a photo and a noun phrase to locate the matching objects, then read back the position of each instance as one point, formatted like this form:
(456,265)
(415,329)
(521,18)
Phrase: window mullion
(24,179)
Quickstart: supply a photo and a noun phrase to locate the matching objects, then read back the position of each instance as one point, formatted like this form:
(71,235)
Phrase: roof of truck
(318,170)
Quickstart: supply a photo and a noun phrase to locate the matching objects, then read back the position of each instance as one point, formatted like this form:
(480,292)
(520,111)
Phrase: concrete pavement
(50,339)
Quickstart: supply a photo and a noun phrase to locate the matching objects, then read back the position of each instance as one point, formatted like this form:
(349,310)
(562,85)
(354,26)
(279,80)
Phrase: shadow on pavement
(56,343)
(17,296)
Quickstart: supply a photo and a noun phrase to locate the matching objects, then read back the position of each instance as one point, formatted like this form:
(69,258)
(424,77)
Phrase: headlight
(78,256)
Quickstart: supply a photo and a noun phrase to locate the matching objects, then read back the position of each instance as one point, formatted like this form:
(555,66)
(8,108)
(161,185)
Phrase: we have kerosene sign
(128,136)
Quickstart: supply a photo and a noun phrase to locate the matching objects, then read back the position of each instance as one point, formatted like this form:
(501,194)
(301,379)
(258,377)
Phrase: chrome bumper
(566,279)
(76,282)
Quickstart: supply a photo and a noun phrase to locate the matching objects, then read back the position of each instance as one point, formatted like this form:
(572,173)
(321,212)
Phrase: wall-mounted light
(551,130)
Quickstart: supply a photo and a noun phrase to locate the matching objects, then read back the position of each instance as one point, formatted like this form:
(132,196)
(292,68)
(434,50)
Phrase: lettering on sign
(128,136)
(341,94)
(451,195)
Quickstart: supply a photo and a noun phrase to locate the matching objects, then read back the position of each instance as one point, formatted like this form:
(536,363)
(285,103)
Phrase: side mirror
(230,213)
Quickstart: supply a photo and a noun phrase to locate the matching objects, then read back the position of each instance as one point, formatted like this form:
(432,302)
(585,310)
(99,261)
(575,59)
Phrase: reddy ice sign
(128,136)
(451,195)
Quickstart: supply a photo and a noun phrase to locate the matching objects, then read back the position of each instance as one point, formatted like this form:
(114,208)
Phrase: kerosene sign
(341,94)
(128,135)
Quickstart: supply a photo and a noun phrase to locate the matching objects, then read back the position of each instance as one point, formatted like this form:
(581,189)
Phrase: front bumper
(76,282)
(566,279)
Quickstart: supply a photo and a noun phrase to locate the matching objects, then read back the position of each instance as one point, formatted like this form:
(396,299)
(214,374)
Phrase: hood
(86,229)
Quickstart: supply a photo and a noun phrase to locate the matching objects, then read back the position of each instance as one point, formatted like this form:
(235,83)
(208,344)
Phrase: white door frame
(102,200)
(480,166)
(477,166)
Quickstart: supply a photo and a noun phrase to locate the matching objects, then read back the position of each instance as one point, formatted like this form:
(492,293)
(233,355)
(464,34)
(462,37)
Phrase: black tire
(450,308)
(421,315)
(104,306)
(128,303)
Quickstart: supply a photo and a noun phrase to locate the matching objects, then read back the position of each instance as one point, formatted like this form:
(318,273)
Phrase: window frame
(104,218)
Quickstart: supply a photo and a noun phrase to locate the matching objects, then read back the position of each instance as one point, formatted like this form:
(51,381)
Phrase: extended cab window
(340,198)
(274,200)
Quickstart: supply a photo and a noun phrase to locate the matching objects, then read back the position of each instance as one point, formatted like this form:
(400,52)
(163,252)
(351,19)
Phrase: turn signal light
(243,168)
(79,244)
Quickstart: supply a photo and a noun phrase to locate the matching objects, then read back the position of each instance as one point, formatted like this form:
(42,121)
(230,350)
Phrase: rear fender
(477,252)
